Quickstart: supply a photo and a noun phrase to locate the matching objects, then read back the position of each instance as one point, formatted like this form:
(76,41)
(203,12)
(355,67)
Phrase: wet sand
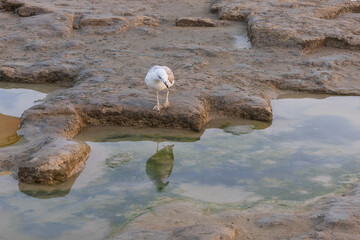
(8,125)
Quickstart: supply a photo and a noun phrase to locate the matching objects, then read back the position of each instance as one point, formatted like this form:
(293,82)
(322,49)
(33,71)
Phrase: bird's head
(162,75)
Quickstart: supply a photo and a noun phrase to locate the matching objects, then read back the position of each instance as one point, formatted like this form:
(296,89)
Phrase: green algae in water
(311,149)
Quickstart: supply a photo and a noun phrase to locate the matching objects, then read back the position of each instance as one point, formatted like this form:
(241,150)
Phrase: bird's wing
(170,74)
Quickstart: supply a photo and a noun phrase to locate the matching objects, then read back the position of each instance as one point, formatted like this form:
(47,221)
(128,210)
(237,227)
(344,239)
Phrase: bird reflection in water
(159,167)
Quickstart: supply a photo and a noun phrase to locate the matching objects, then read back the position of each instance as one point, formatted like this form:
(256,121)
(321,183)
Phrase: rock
(28,11)
(112,49)
(73,44)
(58,69)
(35,45)
(339,213)
(283,29)
(140,20)
(206,232)
(238,105)
(55,162)
(177,220)
(196,22)
(274,220)
(143,234)
(238,130)
(48,25)
(11,5)
(118,160)
(101,24)
(113,44)
(100,20)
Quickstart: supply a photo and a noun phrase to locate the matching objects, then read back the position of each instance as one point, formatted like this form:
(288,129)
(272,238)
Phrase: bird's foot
(166,104)
(158,107)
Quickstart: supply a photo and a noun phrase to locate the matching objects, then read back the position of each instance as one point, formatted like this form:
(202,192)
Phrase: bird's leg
(158,106)
(167,104)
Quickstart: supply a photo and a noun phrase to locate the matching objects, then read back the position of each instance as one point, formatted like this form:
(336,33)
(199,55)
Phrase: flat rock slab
(102,51)
(54,162)
(196,22)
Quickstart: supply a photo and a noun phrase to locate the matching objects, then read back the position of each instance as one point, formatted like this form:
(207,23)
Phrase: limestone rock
(58,69)
(274,220)
(196,22)
(11,5)
(102,24)
(338,213)
(206,232)
(321,24)
(35,45)
(48,25)
(28,11)
(118,160)
(55,162)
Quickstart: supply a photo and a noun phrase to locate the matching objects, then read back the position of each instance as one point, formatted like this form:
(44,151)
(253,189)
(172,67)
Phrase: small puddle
(311,149)
(242,41)
(15,98)
(241,38)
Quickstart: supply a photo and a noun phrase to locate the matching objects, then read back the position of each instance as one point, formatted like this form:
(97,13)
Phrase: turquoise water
(312,148)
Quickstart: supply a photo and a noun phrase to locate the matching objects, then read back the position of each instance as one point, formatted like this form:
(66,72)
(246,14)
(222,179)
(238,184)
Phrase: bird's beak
(165,83)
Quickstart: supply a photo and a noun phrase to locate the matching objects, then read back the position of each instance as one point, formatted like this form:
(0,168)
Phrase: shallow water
(14,100)
(311,149)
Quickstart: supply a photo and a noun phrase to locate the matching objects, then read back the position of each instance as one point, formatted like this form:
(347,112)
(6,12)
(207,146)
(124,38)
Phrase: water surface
(311,149)
(14,100)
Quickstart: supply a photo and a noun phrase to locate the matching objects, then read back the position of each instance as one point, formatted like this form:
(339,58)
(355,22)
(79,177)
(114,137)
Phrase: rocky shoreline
(101,52)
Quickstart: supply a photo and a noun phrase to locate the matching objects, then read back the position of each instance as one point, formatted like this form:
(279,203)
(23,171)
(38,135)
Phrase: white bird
(160,78)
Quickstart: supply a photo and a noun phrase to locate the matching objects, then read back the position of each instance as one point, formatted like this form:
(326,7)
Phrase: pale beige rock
(271,23)
(55,162)
(196,22)
(100,20)
(113,44)
(11,5)
(28,11)
(48,25)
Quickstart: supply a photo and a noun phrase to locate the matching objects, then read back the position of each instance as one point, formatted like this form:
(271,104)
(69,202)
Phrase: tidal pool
(312,148)
(14,100)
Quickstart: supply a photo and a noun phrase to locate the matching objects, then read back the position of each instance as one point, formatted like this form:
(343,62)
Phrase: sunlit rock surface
(102,50)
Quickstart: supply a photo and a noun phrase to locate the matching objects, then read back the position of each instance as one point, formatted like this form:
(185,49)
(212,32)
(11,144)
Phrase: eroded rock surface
(102,51)
(196,22)
(330,218)
(306,25)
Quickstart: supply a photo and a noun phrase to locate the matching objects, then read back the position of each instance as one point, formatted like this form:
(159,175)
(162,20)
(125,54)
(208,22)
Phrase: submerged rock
(238,130)
(118,160)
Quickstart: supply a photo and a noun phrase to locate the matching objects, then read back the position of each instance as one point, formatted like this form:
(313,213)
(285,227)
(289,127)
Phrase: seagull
(160,78)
